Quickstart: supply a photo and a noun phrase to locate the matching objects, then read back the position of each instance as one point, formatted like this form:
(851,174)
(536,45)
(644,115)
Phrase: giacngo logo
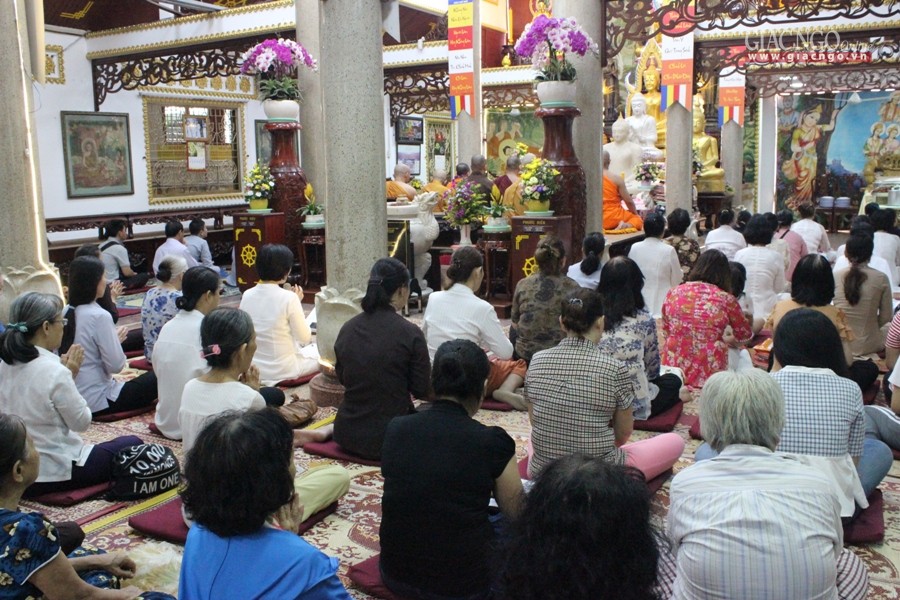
(815,47)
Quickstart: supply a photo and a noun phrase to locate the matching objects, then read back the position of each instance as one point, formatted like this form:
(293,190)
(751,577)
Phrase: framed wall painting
(196,156)
(439,146)
(411,156)
(263,140)
(97,154)
(505,129)
(195,128)
(410,130)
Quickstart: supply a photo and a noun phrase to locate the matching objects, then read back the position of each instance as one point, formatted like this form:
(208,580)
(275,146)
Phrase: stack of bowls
(842,202)
(826,202)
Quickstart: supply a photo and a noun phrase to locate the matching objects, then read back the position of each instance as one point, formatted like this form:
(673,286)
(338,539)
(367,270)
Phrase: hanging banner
(677,83)
(461,56)
(731,98)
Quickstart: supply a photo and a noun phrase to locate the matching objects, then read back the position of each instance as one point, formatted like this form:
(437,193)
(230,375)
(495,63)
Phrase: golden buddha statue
(706,149)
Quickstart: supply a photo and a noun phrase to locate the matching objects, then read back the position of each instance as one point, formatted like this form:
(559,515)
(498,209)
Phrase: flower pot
(259,204)
(282,110)
(497,222)
(537,205)
(556,94)
(314,219)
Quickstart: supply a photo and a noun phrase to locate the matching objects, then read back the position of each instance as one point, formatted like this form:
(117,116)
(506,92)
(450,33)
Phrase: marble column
(767,160)
(24,262)
(588,128)
(733,158)
(679,134)
(343,137)
(470,138)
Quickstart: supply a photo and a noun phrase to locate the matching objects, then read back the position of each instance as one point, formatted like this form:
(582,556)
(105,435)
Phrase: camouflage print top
(536,308)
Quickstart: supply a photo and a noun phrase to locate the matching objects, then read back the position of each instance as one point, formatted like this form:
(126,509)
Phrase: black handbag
(142,471)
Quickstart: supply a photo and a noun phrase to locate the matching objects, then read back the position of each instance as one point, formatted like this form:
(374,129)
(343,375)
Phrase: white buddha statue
(643,127)
(624,154)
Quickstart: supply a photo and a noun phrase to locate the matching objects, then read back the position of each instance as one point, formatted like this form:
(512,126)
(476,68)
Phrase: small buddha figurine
(654,103)
(712,177)
(624,154)
(643,127)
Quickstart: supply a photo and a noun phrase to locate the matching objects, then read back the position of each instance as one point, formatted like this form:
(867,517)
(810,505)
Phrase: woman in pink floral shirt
(695,317)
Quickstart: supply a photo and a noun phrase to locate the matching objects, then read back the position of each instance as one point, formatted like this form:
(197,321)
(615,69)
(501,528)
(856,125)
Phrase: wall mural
(828,146)
(505,129)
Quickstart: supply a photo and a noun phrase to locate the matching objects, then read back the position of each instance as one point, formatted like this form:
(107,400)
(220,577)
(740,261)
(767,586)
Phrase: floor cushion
(154,429)
(141,363)
(330,449)
(127,311)
(125,414)
(167,523)
(694,431)
(70,497)
(896,454)
(491,404)
(663,422)
(134,353)
(367,577)
(653,485)
(868,527)
(297,381)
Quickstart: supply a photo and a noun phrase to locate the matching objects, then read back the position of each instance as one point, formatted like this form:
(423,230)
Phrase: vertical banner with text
(677,82)
(731,98)
(461,56)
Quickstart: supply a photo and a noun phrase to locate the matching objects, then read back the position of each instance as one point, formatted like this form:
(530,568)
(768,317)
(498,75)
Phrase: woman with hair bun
(536,301)
(177,354)
(581,398)
(159,303)
(440,469)
(39,387)
(864,295)
(458,313)
(587,272)
(382,361)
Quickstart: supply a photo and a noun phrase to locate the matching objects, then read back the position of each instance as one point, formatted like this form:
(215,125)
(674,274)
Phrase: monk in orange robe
(399,187)
(614,194)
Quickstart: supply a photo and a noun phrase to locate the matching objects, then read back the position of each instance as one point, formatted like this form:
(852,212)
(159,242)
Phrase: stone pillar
(767,161)
(733,158)
(588,129)
(24,262)
(679,134)
(343,137)
(470,138)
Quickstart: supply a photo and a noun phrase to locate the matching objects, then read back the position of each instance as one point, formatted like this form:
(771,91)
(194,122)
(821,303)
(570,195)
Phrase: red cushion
(367,577)
(127,311)
(141,363)
(134,353)
(330,449)
(71,497)
(298,381)
(664,422)
(125,414)
(154,429)
(523,469)
(491,404)
(868,527)
(166,522)
(695,430)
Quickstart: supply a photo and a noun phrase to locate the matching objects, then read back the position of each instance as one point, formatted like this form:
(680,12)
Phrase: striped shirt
(574,390)
(753,524)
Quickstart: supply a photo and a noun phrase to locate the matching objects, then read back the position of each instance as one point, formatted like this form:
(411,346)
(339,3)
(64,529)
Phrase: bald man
(614,194)
(479,175)
(399,188)
(511,176)
(438,182)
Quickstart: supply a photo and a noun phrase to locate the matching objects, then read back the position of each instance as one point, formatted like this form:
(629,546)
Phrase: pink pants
(654,456)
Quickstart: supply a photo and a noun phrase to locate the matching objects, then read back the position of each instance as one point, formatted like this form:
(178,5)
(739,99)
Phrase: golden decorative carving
(506,96)
(54,64)
(231,83)
(80,14)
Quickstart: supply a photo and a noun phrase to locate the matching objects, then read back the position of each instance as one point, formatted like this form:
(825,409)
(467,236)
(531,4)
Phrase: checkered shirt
(823,413)
(574,390)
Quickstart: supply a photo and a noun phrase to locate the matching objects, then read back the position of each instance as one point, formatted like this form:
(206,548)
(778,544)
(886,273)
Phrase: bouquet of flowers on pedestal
(648,173)
(547,40)
(276,61)
(540,182)
(466,204)
(259,184)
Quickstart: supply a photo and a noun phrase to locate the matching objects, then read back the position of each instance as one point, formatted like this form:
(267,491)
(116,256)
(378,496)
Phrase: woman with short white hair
(752,511)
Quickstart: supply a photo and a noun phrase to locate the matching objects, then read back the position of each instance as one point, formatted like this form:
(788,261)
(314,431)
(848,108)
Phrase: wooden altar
(252,232)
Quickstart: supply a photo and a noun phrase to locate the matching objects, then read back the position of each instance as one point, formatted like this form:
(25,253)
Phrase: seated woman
(38,386)
(695,317)
(284,351)
(658,262)
(630,336)
(795,243)
(864,295)
(825,420)
(596,540)
(688,250)
(459,314)
(813,287)
(440,469)
(586,273)
(382,361)
(765,267)
(228,343)
(725,238)
(32,564)
(537,298)
(239,483)
(177,354)
(765,511)
(581,399)
(91,327)
(159,304)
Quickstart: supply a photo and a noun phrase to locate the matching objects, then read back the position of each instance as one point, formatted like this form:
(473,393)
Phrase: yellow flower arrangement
(259,183)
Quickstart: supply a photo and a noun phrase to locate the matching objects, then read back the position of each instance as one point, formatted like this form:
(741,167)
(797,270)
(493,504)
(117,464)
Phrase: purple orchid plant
(547,40)
(276,61)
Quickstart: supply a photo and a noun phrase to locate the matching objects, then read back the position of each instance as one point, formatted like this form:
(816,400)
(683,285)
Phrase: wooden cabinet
(252,232)
(526,233)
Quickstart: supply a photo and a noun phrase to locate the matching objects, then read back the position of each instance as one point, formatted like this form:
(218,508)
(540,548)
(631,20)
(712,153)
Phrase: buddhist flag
(677,82)
(461,56)
(731,98)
